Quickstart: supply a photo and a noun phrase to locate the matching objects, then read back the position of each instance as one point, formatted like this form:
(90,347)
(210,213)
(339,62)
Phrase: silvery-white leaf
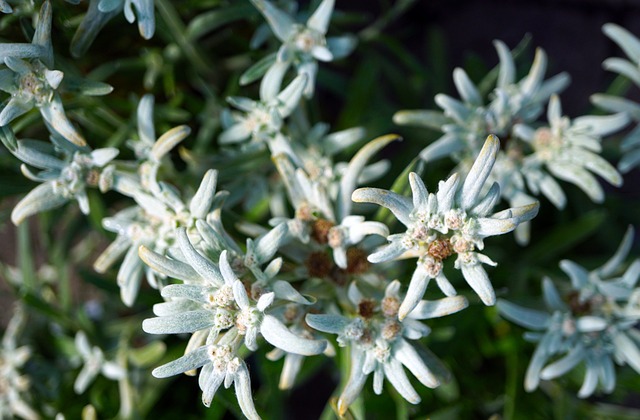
(399,205)
(41,198)
(355,168)
(507,73)
(479,281)
(242,383)
(185,322)
(409,357)
(203,198)
(398,378)
(168,141)
(479,172)
(467,90)
(203,266)
(427,309)
(170,267)
(277,334)
(333,324)
(613,264)
(417,287)
(525,317)
(189,361)
(280,22)
(285,291)
(563,365)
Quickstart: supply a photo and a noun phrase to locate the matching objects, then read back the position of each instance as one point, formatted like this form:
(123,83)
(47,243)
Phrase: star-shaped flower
(455,220)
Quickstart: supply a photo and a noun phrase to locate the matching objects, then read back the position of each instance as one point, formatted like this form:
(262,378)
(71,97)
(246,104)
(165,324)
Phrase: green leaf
(421,118)
(565,237)
(257,70)
(86,87)
(148,355)
(214,19)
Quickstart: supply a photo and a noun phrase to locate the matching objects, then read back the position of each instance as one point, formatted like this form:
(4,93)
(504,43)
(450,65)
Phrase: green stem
(177,29)
(25,257)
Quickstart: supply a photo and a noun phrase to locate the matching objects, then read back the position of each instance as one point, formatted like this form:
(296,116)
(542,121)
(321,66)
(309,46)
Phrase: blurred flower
(262,120)
(32,84)
(593,324)
(102,11)
(631,69)
(93,363)
(215,307)
(153,223)
(63,177)
(159,209)
(452,221)
(569,150)
(14,385)
(378,341)
(302,45)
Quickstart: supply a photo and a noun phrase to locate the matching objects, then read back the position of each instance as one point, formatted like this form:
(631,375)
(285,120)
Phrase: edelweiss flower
(631,69)
(324,214)
(31,83)
(302,45)
(93,363)
(14,386)
(568,149)
(153,223)
(378,341)
(452,221)
(62,179)
(467,122)
(213,304)
(593,323)
(102,11)
(262,121)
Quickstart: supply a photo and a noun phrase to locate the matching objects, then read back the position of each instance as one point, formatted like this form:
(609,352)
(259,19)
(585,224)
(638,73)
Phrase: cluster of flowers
(318,266)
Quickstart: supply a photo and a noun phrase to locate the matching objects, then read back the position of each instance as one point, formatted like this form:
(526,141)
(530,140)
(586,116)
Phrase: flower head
(453,221)
(379,341)
(214,305)
(302,45)
(569,150)
(467,122)
(66,171)
(94,362)
(629,68)
(14,385)
(592,324)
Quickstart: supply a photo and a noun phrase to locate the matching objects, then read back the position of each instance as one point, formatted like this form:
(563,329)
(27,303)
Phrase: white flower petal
(398,378)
